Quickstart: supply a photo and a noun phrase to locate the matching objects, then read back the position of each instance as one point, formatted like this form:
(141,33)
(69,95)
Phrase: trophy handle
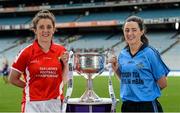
(95,75)
(102,63)
(69,83)
(112,95)
(84,75)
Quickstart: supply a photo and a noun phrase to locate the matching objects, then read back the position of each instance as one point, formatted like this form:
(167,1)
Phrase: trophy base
(76,105)
(90,96)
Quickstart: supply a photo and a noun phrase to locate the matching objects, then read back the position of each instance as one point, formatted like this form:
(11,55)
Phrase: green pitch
(10,96)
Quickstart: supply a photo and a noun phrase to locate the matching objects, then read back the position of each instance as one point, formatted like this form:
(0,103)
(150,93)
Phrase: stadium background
(92,25)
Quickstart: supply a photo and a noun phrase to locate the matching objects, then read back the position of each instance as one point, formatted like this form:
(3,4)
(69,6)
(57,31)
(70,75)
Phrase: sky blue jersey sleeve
(158,67)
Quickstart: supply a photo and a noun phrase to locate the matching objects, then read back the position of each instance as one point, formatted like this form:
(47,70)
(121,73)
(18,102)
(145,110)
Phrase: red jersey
(42,71)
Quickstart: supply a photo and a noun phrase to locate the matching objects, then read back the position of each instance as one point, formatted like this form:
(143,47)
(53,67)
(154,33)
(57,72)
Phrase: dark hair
(141,25)
(43,14)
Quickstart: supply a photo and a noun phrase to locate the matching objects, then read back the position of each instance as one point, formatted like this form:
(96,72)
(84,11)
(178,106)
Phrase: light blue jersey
(139,74)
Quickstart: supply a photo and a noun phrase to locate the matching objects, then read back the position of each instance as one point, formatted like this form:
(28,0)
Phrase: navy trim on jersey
(141,48)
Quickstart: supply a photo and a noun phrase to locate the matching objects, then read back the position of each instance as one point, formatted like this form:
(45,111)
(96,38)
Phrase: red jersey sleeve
(20,61)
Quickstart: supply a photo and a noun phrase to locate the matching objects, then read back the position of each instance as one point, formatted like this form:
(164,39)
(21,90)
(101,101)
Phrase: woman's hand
(162,82)
(114,62)
(64,58)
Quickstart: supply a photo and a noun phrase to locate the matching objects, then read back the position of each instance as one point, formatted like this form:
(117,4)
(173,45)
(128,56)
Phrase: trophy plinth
(89,65)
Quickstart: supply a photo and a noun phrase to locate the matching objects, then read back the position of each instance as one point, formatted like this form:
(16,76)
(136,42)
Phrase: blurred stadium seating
(92,25)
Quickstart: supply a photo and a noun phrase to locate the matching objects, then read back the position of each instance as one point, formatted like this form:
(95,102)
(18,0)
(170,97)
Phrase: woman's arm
(162,82)
(65,74)
(64,59)
(115,66)
(117,73)
(14,78)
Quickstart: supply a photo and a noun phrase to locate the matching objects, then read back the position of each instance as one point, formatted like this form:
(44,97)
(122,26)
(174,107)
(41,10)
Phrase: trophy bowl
(91,65)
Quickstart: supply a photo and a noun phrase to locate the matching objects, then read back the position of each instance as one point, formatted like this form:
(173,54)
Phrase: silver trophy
(90,65)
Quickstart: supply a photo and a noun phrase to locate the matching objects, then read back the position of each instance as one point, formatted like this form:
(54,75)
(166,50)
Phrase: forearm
(65,74)
(162,82)
(116,70)
(14,78)
(18,83)
(117,73)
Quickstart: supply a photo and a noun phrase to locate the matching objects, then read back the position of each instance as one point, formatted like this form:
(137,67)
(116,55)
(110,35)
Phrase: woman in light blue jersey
(141,70)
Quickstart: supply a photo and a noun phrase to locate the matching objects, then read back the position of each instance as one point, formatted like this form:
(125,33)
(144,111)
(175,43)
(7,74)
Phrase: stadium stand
(6,42)
(66,18)
(105,16)
(14,20)
(159,13)
(92,24)
(164,37)
(172,56)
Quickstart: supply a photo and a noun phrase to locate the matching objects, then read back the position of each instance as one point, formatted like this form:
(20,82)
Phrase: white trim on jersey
(60,90)
(27,85)
(19,54)
(16,70)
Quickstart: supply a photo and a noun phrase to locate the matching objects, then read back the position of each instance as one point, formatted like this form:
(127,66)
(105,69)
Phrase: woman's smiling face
(132,32)
(44,30)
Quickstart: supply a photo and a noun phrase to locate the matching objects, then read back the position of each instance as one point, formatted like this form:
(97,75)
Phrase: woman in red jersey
(41,68)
